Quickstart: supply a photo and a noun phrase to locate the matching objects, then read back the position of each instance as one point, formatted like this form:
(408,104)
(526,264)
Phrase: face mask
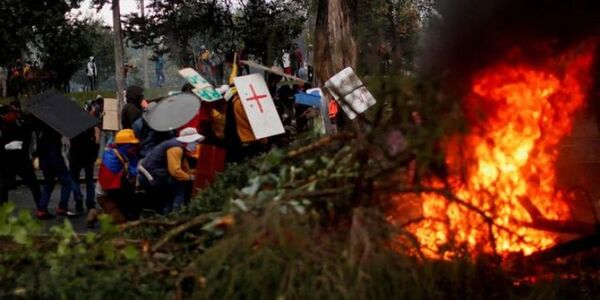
(10,117)
(191,147)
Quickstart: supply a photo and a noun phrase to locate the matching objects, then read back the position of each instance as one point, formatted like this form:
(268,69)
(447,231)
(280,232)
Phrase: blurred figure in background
(82,156)
(159,70)
(132,110)
(3,80)
(92,73)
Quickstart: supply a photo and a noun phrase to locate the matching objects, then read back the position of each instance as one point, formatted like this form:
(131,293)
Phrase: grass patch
(82,97)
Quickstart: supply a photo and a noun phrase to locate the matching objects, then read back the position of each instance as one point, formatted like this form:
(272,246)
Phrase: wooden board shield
(110,120)
(60,113)
(202,88)
(258,105)
(350,92)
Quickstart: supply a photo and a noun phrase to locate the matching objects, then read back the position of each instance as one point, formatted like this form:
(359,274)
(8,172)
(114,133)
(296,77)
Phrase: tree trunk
(335,46)
(118,44)
(145,52)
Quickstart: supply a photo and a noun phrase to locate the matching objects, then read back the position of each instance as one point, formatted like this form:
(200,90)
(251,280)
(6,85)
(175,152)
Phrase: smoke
(474,33)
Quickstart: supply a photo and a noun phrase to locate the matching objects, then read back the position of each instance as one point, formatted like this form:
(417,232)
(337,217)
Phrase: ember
(502,173)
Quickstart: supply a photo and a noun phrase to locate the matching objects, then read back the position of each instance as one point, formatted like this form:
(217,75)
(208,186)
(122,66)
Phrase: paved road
(23,200)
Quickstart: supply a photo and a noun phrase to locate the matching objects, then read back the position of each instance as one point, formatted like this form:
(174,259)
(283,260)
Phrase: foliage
(391,27)
(103,50)
(44,30)
(22,20)
(66,48)
(171,25)
(266,28)
(63,264)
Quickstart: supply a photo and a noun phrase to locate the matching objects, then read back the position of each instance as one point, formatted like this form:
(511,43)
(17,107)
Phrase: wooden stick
(138,223)
(565,249)
(199,220)
(317,145)
(573,227)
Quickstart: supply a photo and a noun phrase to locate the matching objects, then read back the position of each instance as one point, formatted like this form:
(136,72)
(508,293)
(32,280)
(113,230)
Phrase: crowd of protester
(139,168)
(21,79)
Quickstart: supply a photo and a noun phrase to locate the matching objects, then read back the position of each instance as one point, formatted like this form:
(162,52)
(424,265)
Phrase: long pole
(118,45)
(145,53)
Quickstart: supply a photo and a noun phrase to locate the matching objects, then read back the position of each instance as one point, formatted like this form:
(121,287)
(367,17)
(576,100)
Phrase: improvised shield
(60,113)
(172,112)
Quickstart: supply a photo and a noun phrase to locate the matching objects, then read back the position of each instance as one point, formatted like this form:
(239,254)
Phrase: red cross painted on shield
(256,98)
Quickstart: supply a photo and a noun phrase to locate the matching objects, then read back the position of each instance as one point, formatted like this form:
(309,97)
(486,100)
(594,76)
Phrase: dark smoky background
(470,34)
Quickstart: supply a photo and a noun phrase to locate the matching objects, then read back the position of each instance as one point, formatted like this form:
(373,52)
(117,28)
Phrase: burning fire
(503,170)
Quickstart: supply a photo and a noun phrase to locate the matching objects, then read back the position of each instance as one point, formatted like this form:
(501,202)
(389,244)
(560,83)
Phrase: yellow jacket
(177,165)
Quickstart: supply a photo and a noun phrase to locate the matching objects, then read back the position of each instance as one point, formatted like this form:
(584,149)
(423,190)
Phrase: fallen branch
(317,145)
(569,227)
(198,220)
(565,249)
(138,223)
(531,209)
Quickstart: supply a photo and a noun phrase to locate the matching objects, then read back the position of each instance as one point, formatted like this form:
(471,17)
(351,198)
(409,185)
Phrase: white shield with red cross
(259,106)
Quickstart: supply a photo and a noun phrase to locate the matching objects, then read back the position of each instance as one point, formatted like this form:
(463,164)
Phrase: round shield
(172,112)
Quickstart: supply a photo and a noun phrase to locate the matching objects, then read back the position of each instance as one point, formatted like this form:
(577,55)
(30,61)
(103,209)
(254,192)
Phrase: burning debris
(503,171)
(523,69)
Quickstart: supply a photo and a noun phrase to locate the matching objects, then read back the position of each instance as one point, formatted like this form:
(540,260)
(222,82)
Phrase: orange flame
(503,170)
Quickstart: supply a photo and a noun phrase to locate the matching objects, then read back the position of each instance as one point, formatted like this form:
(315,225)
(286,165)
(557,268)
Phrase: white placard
(258,105)
(350,92)
(202,88)
(110,120)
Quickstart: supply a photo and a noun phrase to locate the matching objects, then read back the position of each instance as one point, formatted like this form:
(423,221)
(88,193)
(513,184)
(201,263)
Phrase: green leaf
(130,252)
(20,235)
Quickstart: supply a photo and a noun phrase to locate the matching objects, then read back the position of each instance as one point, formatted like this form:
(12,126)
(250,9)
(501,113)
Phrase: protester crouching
(165,174)
(117,176)
(15,141)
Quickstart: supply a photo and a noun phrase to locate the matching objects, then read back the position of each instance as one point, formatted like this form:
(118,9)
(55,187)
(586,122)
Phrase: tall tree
(335,44)
(145,49)
(118,45)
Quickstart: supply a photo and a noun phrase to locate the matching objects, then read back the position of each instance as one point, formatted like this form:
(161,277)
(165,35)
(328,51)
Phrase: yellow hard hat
(126,136)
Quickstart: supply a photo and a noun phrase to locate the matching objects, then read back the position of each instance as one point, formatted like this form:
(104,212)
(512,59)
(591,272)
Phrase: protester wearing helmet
(116,178)
(165,173)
